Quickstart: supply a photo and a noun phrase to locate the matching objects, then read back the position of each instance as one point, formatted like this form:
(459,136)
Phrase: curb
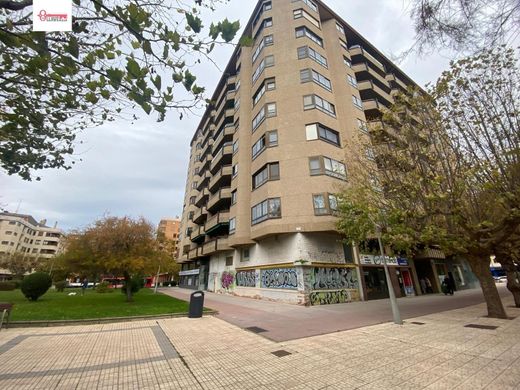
(107,320)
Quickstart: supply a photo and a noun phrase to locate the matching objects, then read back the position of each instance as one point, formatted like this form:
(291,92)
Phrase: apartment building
(169,229)
(23,234)
(288,117)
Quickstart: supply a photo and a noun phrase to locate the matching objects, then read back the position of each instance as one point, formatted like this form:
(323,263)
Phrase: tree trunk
(494,304)
(128,287)
(513,282)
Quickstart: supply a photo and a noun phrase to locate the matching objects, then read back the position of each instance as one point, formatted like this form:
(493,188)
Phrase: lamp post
(393,301)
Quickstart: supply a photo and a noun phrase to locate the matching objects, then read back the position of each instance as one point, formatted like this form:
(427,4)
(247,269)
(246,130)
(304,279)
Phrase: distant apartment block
(272,151)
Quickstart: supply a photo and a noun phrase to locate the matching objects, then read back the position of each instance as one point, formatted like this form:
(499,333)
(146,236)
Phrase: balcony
(206,162)
(364,69)
(198,235)
(202,197)
(216,245)
(220,200)
(218,223)
(225,135)
(369,90)
(203,180)
(226,117)
(200,216)
(359,51)
(222,157)
(396,82)
(194,253)
(222,178)
(207,149)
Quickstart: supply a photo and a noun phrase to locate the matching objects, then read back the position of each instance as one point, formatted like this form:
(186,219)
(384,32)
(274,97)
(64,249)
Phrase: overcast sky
(140,169)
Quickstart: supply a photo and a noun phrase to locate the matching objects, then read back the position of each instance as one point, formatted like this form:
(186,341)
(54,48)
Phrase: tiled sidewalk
(209,353)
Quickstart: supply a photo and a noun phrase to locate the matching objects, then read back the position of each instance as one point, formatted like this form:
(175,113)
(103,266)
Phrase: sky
(139,169)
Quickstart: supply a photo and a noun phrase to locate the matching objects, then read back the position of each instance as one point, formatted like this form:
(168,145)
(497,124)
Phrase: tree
(508,255)
(119,55)
(448,164)
(464,26)
(19,264)
(119,246)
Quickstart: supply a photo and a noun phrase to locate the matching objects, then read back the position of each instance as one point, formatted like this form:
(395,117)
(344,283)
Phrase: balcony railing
(216,245)
(222,156)
(220,177)
(221,195)
(371,86)
(226,134)
(200,216)
(216,220)
(202,197)
(364,67)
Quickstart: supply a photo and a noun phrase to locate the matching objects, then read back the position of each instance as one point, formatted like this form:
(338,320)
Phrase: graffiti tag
(279,278)
(334,278)
(246,278)
(329,297)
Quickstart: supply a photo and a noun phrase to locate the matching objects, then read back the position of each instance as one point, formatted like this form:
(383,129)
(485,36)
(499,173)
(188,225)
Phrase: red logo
(45,17)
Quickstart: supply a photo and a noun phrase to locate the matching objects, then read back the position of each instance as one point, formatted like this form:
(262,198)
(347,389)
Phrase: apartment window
(233,196)
(369,152)
(188,232)
(312,5)
(267,62)
(320,165)
(268,22)
(316,131)
(35,250)
(232,225)
(347,62)
(229,261)
(314,101)
(190,215)
(325,204)
(267,111)
(38,242)
(12,222)
(269,172)
(9,232)
(269,139)
(197,170)
(309,52)
(267,85)
(266,41)
(362,125)
(234,170)
(244,254)
(352,80)
(305,32)
(307,75)
(194,185)
(263,8)
(357,102)
(301,13)
(192,200)
(236,104)
(268,209)
(5,242)
(343,44)
(340,28)
(235,146)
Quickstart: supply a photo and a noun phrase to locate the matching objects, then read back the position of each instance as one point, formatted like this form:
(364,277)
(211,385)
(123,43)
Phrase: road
(283,322)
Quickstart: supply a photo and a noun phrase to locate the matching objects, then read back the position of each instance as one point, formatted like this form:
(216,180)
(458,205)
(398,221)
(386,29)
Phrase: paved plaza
(435,351)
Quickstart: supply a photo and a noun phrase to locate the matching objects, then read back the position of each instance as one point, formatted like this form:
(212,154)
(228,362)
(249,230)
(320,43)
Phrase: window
(5,242)
(269,172)
(234,170)
(357,102)
(35,250)
(229,261)
(305,32)
(188,232)
(267,85)
(267,111)
(244,254)
(267,62)
(318,131)
(12,222)
(301,13)
(38,242)
(263,8)
(340,28)
(232,225)
(235,146)
(343,44)
(190,215)
(269,139)
(314,101)
(362,125)
(347,62)
(194,185)
(268,22)
(266,41)
(320,165)
(352,80)
(236,104)
(324,204)
(308,52)
(233,196)
(192,200)
(268,209)
(8,232)
(369,152)
(307,75)
(197,170)
(312,5)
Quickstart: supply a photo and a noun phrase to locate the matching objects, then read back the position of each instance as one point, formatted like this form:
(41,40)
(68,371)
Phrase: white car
(500,279)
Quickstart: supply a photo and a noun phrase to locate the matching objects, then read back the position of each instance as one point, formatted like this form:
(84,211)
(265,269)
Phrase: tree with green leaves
(119,55)
(116,246)
(19,264)
(448,167)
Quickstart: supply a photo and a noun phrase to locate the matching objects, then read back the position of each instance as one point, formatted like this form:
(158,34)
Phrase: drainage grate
(281,353)
(418,323)
(477,326)
(256,329)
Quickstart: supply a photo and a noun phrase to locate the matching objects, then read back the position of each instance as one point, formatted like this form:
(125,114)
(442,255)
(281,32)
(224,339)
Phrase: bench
(5,308)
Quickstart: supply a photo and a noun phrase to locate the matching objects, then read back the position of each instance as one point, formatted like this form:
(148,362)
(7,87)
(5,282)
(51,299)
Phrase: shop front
(374,279)
(189,278)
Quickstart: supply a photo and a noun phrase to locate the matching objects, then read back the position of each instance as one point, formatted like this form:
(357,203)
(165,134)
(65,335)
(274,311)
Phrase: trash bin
(196,304)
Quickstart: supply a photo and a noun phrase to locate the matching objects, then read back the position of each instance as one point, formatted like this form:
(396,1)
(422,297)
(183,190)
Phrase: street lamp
(391,292)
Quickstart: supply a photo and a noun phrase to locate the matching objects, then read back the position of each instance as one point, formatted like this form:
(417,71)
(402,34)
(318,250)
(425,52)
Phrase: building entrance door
(375,283)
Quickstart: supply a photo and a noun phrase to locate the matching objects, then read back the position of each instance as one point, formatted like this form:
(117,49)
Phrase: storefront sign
(378,260)
(189,272)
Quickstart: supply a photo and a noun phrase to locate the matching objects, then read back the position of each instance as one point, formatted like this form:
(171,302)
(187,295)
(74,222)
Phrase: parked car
(500,279)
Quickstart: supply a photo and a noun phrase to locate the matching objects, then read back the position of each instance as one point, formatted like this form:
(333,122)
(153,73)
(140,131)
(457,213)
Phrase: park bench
(5,308)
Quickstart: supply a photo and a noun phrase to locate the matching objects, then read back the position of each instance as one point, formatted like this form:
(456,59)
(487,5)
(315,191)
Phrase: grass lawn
(60,306)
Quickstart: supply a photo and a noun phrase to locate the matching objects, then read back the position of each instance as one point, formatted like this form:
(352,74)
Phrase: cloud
(140,169)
